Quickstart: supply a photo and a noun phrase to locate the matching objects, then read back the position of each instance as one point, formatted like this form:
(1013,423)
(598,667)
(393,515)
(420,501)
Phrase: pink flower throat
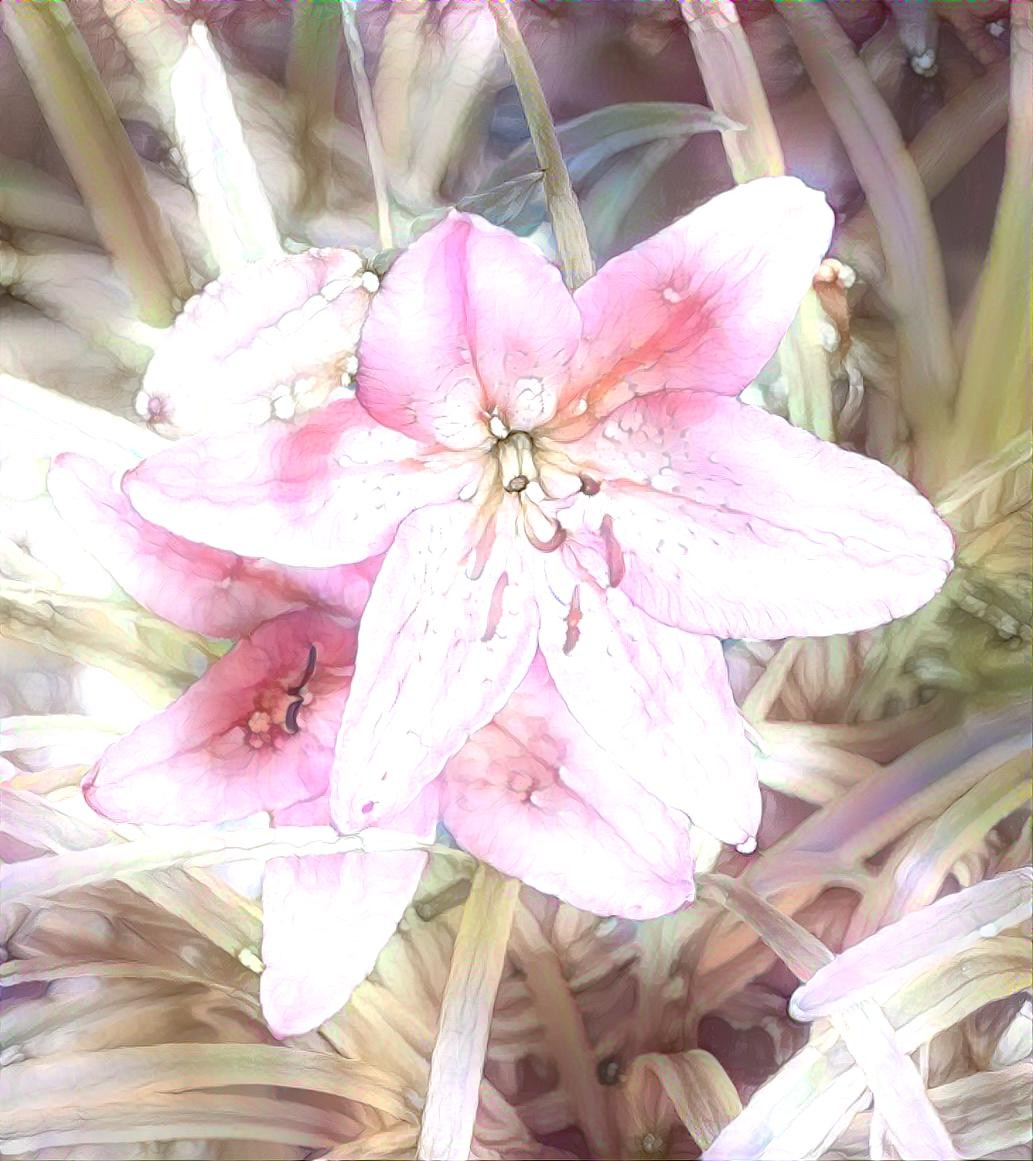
(275,712)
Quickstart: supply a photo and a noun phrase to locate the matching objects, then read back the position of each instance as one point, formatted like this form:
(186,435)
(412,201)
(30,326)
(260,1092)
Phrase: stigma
(542,479)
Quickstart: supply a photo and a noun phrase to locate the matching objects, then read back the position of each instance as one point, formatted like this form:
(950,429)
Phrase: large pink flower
(570,475)
(257,733)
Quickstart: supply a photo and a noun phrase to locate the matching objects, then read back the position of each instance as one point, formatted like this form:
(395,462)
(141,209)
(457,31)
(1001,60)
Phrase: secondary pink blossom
(570,476)
(257,732)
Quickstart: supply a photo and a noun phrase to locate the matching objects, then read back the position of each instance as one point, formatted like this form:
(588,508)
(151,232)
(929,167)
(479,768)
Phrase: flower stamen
(299,694)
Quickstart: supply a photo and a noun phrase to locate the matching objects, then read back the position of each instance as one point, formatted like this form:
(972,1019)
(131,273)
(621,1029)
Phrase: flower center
(275,709)
(515,453)
(542,478)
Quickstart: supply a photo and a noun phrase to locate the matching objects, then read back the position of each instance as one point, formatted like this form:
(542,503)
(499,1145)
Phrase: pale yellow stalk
(568,226)
(457,1063)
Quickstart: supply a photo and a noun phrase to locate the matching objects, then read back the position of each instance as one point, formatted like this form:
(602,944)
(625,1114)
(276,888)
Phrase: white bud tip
(747,847)
(925,63)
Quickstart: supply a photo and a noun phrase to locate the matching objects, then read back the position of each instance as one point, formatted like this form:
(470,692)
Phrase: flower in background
(257,732)
(570,477)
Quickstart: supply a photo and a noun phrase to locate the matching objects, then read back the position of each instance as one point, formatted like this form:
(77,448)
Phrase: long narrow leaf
(102,160)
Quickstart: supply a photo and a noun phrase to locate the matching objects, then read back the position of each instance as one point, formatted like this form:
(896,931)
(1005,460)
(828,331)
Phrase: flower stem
(564,1032)
(457,1063)
(193,847)
(312,76)
(103,163)
(891,183)
(368,118)
(567,223)
(734,89)
(993,400)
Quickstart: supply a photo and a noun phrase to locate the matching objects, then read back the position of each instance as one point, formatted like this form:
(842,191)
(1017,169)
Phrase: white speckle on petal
(284,407)
(370,282)
(671,295)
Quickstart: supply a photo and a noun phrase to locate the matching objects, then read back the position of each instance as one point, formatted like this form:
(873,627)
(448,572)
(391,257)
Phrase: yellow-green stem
(457,1062)
(99,154)
(368,119)
(993,402)
(567,224)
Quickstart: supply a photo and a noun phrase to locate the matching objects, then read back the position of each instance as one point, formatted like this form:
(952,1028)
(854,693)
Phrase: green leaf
(590,141)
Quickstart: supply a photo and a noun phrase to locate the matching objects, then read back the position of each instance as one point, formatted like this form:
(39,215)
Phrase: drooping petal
(703,304)
(532,794)
(728,520)
(226,749)
(273,337)
(329,489)
(656,699)
(326,918)
(202,589)
(448,634)
(470,319)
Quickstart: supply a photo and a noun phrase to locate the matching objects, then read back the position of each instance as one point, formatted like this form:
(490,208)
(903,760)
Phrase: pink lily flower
(257,733)
(570,475)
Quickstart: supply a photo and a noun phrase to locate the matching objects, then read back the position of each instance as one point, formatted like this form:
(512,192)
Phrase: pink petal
(326,918)
(445,639)
(656,699)
(469,319)
(274,335)
(703,304)
(329,489)
(730,521)
(532,794)
(224,749)
(203,589)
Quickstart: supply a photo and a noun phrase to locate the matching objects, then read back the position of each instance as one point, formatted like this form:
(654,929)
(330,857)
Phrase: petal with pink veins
(199,588)
(470,320)
(327,490)
(272,337)
(703,304)
(533,795)
(656,699)
(448,634)
(326,918)
(730,521)
(232,744)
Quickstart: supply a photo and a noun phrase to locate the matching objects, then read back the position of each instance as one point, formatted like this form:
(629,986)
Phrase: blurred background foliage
(147,145)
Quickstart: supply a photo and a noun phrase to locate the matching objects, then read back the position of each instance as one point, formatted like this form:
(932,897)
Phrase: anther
(608,1070)
(589,485)
(290,717)
(306,677)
